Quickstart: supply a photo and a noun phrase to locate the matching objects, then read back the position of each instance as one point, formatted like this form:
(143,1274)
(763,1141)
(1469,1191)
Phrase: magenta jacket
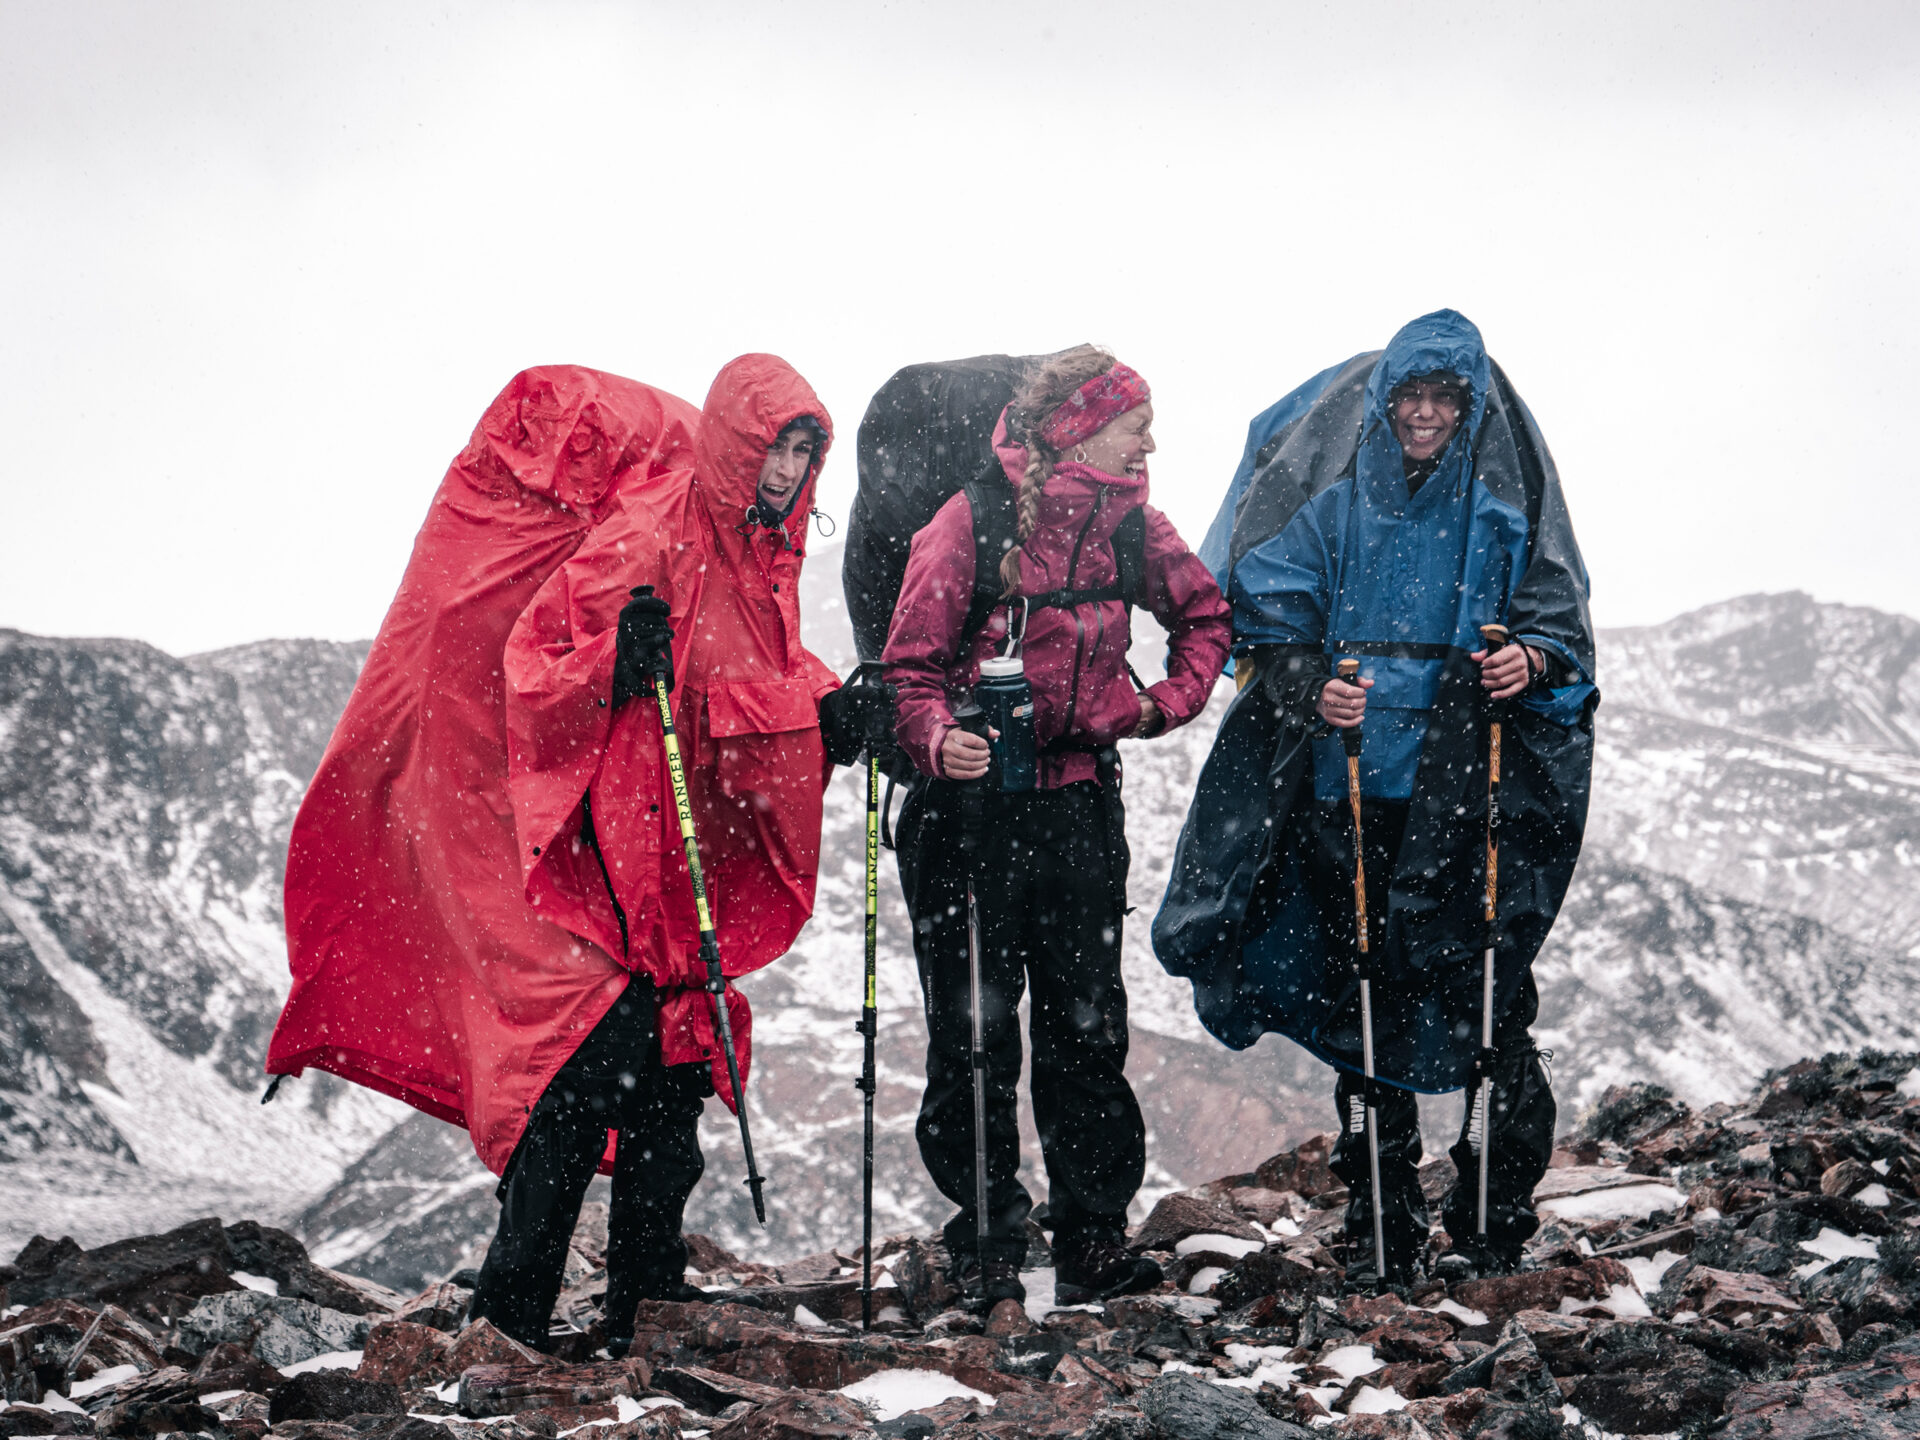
(1076,658)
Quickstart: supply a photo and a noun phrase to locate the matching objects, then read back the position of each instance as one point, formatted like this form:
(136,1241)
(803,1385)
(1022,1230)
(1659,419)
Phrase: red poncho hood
(437,954)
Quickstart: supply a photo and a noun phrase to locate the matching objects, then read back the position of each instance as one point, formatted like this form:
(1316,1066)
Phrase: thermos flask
(1006,697)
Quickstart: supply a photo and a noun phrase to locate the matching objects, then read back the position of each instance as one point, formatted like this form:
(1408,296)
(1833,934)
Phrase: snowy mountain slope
(144,806)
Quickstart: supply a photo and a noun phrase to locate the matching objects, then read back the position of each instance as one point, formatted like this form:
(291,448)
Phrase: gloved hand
(644,646)
(858,716)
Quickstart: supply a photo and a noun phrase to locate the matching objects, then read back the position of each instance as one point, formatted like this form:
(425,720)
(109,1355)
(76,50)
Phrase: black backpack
(927,434)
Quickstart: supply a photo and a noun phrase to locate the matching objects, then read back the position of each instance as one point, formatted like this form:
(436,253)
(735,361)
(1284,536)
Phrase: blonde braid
(1044,391)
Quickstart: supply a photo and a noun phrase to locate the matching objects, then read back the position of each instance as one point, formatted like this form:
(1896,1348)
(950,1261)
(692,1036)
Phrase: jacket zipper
(1079,625)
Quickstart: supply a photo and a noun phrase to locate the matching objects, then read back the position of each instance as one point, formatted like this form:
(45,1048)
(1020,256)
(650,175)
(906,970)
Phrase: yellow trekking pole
(709,942)
(869,1027)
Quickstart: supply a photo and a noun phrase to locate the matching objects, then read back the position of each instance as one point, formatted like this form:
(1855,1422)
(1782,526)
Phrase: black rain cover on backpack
(927,433)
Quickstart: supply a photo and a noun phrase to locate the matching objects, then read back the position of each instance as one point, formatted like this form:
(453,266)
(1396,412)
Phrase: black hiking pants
(1047,888)
(1523,1107)
(614,1081)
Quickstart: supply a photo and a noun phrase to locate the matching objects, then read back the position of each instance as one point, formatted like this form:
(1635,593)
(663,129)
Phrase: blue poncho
(1323,553)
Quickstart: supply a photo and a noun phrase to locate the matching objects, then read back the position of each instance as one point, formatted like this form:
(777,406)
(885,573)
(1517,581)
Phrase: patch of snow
(332,1360)
(105,1380)
(1685,1317)
(1571,1414)
(1205,1278)
(1265,1364)
(1460,1312)
(1369,1401)
(1647,1269)
(891,1313)
(1283,1228)
(447,1393)
(54,1400)
(11,1311)
(807,1320)
(1881,1167)
(1181,1367)
(265,1284)
(1874,1196)
(1350,1362)
(1217,1245)
(1623,1300)
(218,1397)
(1196,1307)
(1624,1202)
(890,1394)
(1910,1084)
(1832,1245)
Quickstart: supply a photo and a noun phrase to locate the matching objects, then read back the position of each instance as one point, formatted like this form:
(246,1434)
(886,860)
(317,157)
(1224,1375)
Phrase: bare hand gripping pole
(709,942)
(1349,670)
(1495,637)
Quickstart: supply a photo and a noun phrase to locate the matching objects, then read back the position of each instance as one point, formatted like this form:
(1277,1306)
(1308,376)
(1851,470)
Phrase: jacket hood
(752,400)
(1443,341)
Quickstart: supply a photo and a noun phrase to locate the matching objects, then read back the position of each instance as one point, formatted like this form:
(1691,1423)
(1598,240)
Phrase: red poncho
(450,935)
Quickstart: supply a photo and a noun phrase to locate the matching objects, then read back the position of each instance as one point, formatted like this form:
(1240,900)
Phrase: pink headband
(1093,406)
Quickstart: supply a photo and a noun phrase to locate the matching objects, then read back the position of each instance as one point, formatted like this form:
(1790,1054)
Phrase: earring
(1079,454)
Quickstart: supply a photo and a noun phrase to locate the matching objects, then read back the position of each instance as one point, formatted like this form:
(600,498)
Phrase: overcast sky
(263,265)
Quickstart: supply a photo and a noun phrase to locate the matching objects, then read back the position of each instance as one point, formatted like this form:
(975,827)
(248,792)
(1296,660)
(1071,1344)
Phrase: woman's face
(785,468)
(1122,447)
(1426,412)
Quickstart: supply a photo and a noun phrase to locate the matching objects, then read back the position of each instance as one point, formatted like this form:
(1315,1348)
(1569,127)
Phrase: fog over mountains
(1749,895)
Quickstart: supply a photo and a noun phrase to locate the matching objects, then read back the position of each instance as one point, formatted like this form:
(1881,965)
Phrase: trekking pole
(709,942)
(1349,670)
(869,1027)
(1496,637)
(973,720)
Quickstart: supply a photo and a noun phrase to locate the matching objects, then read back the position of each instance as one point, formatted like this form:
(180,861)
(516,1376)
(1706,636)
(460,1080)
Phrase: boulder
(1185,1213)
(1306,1169)
(332,1395)
(1726,1295)
(1870,1402)
(35,1420)
(441,1306)
(1512,1370)
(280,1330)
(800,1417)
(508,1389)
(1186,1407)
(399,1352)
(1500,1297)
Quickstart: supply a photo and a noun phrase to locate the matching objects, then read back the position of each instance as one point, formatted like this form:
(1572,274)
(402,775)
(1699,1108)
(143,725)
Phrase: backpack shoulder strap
(1130,553)
(995,528)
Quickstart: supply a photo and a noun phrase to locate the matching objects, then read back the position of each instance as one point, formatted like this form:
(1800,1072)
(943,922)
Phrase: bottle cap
(1002,667)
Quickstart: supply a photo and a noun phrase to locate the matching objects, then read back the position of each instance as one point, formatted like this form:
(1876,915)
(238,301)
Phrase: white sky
(263,265)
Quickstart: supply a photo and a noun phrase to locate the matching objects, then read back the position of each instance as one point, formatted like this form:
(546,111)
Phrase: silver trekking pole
(971,718)
(1496,637)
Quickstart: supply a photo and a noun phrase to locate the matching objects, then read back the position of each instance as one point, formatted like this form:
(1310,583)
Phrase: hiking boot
(1475,1259)
(1362,1274)
(982,1287)
(1101,1270)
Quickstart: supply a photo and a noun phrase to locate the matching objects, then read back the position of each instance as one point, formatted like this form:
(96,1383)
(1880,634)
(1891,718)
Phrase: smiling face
(785,468)
(1122,446)
(1426,412)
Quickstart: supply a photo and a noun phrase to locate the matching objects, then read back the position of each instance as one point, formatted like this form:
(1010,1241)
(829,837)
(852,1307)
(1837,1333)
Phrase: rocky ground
(1747,1271)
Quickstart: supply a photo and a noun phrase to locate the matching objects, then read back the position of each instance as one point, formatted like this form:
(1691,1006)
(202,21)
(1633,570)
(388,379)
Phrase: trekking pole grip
(1348,672)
